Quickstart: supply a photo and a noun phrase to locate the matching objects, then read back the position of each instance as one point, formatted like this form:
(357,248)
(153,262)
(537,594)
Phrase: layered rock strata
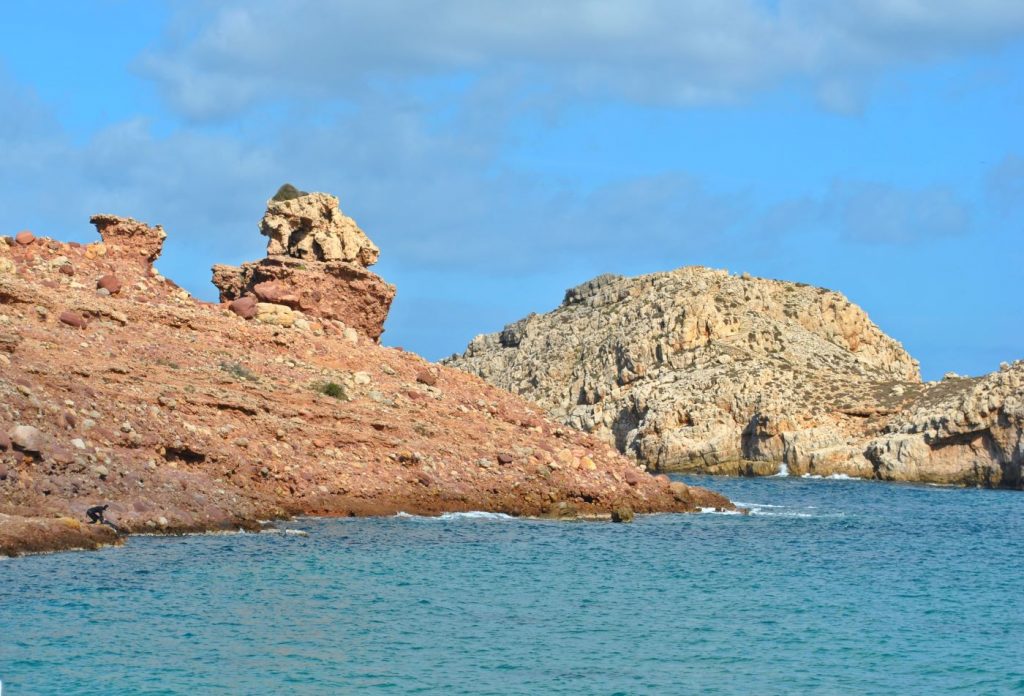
(317,260)
(700,370)
(184,416)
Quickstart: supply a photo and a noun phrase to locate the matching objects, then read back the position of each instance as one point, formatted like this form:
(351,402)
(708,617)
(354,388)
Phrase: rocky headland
(119,387)
(701,370)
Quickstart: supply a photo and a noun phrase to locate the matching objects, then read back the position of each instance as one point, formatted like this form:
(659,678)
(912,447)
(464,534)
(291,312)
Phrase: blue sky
(499,153)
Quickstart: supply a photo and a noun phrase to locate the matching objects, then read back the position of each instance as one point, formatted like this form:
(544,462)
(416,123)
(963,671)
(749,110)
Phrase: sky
(499,153)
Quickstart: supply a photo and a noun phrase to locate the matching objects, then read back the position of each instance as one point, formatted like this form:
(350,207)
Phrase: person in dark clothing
(95,514)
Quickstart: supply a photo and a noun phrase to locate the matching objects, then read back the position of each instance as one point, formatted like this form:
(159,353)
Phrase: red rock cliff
(117,387)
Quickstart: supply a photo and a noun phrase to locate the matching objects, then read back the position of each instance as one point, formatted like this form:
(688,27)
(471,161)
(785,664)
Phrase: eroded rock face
(700,370)
(123,235)
(183,416)
(312,227)
(961,430)
(341,291)
(316,264)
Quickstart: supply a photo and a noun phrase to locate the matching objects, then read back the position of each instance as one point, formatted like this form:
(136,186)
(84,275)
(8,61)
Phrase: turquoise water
(831,587)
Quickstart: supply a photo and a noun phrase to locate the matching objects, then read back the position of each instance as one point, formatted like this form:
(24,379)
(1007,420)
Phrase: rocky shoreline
(118,387)
(700,370)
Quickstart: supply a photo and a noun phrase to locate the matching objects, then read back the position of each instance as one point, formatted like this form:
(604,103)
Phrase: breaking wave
(833,477)
(470,515)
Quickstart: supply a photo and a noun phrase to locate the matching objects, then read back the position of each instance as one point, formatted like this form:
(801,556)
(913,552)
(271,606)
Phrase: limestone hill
(700,370)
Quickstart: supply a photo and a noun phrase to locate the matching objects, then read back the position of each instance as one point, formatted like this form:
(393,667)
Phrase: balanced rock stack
(316,264)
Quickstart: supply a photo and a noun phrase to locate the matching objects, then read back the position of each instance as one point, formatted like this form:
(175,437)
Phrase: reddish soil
(184,416)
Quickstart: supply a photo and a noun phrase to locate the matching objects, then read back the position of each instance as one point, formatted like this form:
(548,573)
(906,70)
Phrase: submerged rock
(622,514)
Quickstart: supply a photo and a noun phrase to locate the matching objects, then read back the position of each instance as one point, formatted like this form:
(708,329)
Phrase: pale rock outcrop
(316,263)
(312,227)
(700,370)
(278,315)
(961,430)
(6,264)
(26,437)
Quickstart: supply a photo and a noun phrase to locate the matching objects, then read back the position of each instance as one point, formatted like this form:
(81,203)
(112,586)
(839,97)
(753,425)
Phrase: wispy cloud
(1005,183)
(224,57)
(876,213)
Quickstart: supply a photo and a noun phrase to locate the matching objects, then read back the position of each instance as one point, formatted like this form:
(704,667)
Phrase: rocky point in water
(702,370)
(120,387)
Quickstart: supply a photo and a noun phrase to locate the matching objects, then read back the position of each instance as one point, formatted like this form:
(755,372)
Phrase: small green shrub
(331,389)
(287,192)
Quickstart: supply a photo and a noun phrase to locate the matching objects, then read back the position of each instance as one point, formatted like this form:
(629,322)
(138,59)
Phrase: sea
(826,587)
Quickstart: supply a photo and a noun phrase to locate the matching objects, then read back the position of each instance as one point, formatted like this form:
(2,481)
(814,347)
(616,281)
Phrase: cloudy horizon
(498,155)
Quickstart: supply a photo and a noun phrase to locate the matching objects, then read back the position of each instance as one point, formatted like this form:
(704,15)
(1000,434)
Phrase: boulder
(313,228)
(341,291)
(622,513)
(73,319)
(426,377)
(244,307)
(680,491)
(278,315)
(26,438)
(24,238)
(110,283)
(9,342)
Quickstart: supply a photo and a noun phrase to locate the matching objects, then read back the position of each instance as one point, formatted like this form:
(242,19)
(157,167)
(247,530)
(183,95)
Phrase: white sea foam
(716,511)
(470,515)
(783,469)
(289,532)
(780,513)
(833,477)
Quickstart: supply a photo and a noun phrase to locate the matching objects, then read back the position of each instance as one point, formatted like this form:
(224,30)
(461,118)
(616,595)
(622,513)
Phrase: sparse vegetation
(287,192)
(331,389)
(239,371)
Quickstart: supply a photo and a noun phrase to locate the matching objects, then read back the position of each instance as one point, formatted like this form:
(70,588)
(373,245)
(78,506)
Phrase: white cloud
(1005,183)
(224,57)
(876,213)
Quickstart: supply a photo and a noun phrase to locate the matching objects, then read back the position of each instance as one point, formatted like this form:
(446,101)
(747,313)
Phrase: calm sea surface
(830,587)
